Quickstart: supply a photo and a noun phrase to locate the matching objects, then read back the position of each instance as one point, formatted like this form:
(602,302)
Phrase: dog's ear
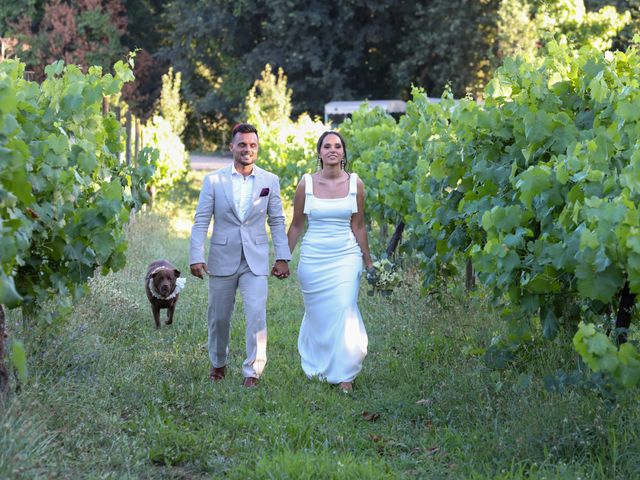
(177,272)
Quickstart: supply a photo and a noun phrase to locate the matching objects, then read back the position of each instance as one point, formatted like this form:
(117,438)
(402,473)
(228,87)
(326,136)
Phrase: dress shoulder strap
(353,192)
(308,192)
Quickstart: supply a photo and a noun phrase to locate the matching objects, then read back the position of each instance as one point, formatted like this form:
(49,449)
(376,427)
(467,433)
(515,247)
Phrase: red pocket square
(264,192)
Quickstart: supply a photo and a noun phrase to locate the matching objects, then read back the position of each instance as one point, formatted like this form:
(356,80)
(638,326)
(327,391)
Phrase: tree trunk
(395,239)
(127,139)
(470,278)
(151,191)
(4,375)
(623,318)
(384,231)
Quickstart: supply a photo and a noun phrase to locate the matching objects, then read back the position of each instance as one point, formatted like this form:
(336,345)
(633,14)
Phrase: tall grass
(25,443)
(111,397)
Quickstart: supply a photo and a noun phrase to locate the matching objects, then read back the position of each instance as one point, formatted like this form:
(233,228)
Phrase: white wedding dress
(332,340)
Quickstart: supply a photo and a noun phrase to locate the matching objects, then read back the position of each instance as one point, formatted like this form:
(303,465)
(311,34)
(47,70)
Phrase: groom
(239,198)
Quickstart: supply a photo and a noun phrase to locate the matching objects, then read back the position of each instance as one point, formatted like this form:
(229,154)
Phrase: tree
(625,37)
(334,50)
(269,99)
(571,19)
(170,105)
(144,35)
(330,50)
(82,32)
(142,94)
(163,131)
(516,35)
(448,42)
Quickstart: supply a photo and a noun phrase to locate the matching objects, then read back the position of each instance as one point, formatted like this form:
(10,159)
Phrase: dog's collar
(178,288)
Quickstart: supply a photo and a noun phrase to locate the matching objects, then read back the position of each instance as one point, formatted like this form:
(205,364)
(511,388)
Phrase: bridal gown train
(332,340)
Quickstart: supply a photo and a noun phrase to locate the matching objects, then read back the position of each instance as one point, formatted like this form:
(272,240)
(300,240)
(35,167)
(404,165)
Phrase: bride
(332,340)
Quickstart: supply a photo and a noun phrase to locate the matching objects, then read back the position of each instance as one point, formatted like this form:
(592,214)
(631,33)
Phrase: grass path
(111,397)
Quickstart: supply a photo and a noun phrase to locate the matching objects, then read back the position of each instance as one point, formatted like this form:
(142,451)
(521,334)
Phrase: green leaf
(598,345)
(8,97)
(543,282)
(8,294)
(103,244)
(599,89)
(54,69)
(111,85)
(532,182)
(58,143)
(18,359)
(588,239)
(599,285)
(18,182)
(437,169)
(629,369)
(628,110)
(498,89)
(112,190)
(537,126)
(8,124)
(123,71)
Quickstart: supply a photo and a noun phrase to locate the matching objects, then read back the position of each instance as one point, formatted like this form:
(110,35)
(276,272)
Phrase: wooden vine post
(623,317)
(4,374)
(470,278)
(395,239)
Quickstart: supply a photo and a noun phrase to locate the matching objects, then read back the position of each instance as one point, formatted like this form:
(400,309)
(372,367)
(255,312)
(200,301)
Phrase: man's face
(244,148)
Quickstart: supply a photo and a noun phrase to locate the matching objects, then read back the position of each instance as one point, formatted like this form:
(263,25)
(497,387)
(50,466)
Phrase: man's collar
(234,171)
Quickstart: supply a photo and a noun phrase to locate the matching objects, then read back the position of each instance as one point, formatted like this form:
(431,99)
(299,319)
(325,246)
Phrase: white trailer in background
(335,112)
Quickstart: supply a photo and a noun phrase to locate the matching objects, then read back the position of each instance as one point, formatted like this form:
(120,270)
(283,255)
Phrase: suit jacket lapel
(258,184)
(227,186)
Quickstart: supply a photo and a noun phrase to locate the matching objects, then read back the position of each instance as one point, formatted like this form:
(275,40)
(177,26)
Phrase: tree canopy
(334,50)
(328,49)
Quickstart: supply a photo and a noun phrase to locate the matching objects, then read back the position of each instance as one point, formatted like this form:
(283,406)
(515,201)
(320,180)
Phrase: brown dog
(163,288)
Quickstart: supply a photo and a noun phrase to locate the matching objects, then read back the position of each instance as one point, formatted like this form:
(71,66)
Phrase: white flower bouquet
(383,276)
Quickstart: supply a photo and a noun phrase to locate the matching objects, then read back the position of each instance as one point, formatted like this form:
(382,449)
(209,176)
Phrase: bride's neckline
(313,190)
(332,198)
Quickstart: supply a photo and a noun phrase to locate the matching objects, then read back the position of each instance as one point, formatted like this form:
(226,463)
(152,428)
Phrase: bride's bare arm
(297,222)
(359,228)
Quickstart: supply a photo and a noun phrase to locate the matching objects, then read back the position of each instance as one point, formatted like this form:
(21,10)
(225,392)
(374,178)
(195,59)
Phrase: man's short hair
(243,128)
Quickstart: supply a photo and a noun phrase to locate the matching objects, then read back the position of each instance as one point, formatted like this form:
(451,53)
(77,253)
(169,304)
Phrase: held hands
(199,270)
(280,269)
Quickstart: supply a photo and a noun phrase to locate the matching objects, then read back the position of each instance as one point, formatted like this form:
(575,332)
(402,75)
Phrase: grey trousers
(222,297)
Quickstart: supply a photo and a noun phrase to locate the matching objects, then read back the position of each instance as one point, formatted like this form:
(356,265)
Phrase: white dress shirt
(242,191)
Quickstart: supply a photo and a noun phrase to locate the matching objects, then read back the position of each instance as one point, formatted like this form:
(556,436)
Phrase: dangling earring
(343,163)
(319,163)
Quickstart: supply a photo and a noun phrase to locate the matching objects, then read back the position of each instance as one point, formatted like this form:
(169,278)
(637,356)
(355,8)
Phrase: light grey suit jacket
(231,236)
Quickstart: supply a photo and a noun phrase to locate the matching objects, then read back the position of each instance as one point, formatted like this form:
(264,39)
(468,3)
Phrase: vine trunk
(4,374)
(623,318)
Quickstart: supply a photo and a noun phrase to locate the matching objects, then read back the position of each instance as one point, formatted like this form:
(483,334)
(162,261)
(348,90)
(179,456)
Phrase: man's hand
(199,270)
(280,269)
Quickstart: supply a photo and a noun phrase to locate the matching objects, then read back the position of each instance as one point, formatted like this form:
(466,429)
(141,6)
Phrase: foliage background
(111,397)
(330,50)
(436,397)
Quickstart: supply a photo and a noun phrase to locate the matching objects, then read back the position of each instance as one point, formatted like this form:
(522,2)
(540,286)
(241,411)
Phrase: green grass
(111,397)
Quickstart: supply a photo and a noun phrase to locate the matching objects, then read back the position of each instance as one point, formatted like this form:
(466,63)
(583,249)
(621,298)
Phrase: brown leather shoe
(346,387)
(250,382)
(217,373)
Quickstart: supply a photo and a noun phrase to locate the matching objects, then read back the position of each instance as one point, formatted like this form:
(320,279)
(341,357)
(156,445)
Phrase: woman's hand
(372,275)
(280,269)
